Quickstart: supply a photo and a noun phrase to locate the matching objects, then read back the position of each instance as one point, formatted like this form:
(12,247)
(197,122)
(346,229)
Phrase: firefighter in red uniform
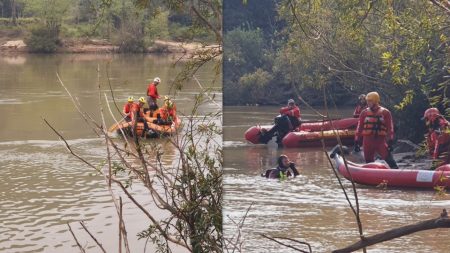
(167,112)
(137,114)
(152,94)
(362,104)
(438,136)
(376,131)
(127,109)
(288,120)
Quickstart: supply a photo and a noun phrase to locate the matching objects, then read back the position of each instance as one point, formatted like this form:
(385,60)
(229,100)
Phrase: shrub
(42,40)
(131,43)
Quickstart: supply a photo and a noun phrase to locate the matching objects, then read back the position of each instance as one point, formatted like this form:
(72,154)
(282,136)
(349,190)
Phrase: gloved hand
(390,144)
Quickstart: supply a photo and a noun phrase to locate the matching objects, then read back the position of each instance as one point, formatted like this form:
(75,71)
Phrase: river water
(312,207)
(43,186)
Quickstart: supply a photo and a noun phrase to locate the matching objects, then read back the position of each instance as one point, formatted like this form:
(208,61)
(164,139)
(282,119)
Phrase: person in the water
(284,169)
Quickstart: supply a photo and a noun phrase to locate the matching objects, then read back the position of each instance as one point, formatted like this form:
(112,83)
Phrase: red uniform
(152,91)
(375,127)
(438,140)
(127,109)
(359,108)
(152,95)
(290,111)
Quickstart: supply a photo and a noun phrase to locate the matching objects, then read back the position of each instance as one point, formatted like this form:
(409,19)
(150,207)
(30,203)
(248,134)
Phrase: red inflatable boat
(310,133)
(312,139)
(375,174)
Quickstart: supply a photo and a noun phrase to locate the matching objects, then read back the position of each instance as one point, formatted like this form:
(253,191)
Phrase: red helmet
(431,114)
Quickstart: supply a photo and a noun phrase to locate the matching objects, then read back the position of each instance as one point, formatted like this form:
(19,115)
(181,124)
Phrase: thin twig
(281,243)
(92,236)
(76,240)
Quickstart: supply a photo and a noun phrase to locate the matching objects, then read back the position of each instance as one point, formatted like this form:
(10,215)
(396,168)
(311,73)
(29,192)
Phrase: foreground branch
(442,222)
(287,245)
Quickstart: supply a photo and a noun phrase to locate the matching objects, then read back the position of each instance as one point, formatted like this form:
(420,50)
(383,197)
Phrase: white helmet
(157,80)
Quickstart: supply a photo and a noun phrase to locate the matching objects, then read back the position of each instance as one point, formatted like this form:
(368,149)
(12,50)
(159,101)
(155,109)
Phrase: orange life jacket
(374,124)
(167,114)
(135,107)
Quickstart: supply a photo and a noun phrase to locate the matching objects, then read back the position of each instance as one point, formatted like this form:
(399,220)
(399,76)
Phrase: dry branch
(442,222)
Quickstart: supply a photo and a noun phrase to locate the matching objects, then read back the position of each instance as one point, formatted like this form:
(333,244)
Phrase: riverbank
(89,46)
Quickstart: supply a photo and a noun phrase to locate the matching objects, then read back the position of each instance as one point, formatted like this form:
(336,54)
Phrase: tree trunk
(13,12)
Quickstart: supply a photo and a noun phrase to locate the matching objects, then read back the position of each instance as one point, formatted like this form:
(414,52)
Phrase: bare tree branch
(76,240)
(442,222)
(92,236)
(284,244)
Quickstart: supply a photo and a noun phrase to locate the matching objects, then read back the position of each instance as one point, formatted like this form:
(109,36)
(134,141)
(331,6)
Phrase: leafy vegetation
(132,25)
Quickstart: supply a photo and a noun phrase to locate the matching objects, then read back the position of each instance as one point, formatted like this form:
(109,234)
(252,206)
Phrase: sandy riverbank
(102,46)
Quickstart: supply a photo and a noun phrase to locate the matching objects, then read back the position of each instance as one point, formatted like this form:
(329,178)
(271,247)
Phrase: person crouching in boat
(438,136)
(288,120)
(127,109)
(167,113)
(284,169)
(376,131)
(137,114)
(362,104)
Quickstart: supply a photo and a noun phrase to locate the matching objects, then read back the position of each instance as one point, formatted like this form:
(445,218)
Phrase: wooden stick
(92,236)
(76,240)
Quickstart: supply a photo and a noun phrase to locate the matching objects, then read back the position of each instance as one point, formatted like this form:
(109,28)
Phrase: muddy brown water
(42,186)
(312,207)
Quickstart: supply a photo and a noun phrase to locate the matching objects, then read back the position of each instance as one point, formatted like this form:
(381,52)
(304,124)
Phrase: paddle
(115,125)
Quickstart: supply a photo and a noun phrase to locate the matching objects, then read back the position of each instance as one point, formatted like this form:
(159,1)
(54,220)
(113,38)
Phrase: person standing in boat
(152,94)
(284,169)
(288,120)
(137,114)
(438,136)
(362,104)
(376,131)
(127,109)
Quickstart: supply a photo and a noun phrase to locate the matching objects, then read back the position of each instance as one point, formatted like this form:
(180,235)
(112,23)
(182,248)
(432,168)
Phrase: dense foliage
(347,47)
(132,25)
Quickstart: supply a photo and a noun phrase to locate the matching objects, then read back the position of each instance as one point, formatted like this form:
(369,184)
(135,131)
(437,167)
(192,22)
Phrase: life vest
(167,114)
(374,123)
(135,107)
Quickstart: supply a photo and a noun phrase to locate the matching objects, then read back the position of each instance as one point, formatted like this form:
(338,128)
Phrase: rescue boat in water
(156,130)
(379,174)
(310,133)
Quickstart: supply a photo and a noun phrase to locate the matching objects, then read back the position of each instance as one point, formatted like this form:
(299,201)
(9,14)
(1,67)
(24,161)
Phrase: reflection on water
(43,186)
(312,207)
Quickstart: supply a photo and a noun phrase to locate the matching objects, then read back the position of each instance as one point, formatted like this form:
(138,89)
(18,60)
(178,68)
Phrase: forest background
(275,49)
(131,25)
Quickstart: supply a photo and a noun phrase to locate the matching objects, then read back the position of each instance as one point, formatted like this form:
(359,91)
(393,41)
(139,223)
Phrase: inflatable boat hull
(378,174)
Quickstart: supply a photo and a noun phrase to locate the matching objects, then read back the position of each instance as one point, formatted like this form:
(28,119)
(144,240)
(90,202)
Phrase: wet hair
(280,160)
